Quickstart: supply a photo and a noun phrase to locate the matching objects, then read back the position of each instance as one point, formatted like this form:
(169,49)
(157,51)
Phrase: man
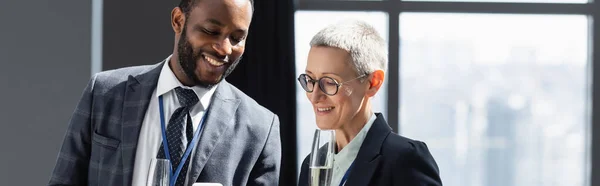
(179,109)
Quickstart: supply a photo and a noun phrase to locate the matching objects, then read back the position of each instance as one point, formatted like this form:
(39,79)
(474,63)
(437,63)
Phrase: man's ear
(177,20)
(375,82)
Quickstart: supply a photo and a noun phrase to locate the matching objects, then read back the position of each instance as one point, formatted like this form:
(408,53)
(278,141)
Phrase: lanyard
(346,174)
(188,149)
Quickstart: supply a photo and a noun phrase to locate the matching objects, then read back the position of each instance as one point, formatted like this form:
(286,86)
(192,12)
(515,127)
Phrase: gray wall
(44,66)
(149,41)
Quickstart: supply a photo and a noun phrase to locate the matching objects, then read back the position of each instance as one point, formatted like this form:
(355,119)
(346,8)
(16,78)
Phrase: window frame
(395,7)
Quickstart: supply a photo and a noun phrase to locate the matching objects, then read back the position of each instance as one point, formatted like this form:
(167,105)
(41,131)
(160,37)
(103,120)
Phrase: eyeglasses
(328,85)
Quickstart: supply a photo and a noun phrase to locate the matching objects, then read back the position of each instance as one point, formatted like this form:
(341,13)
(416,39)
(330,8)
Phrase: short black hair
(186,5)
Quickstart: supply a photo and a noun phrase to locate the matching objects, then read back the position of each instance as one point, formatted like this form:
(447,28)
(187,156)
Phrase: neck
(346,133)
(178,71)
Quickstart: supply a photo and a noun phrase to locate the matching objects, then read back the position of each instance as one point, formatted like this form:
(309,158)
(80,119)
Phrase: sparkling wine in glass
(321,158)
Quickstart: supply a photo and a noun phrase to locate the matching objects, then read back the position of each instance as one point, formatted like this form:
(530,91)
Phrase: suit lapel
(137,96)
(220,118)
(369,155)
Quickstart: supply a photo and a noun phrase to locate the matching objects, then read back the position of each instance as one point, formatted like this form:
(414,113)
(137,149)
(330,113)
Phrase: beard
(187,59)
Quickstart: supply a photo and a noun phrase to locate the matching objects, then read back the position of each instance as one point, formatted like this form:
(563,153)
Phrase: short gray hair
(368,50)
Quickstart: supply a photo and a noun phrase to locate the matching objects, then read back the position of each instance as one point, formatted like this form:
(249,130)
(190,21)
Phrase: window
(513,1)
(500,90)
(497,97)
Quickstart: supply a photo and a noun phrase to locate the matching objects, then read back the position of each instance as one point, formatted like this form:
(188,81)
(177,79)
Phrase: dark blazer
(239,145)
(386,158)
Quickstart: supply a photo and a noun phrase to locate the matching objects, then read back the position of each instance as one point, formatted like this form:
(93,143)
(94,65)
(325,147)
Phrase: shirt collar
(167,81)
(349,152)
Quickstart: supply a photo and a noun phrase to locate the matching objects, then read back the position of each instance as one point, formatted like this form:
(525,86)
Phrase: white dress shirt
(150,137)
(343,159)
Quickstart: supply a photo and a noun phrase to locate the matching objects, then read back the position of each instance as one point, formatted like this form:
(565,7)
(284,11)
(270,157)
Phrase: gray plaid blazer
(240,144)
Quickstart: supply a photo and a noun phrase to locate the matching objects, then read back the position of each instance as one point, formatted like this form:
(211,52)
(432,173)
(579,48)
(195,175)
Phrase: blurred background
(501,91)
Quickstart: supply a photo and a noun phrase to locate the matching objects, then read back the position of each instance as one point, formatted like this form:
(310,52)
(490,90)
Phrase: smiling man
(180,109)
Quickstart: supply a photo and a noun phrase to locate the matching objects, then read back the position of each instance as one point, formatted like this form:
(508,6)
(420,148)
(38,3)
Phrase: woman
(345,69)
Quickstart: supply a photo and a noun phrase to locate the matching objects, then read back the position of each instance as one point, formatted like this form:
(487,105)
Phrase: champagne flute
(321,158)
(160,170)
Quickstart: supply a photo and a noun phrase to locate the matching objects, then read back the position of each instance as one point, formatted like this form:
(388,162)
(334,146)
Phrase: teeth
(213,62)
(324,109)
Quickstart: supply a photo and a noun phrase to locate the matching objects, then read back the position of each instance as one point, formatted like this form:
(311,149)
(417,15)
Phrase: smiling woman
(500,90)
(352,55)
(308,23)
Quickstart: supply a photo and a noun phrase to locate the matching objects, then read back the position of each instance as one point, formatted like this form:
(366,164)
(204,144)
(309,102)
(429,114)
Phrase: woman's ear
(375,82)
